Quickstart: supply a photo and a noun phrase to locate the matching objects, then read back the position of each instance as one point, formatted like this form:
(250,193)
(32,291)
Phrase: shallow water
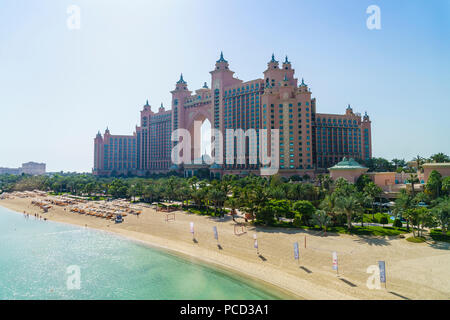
(35,256)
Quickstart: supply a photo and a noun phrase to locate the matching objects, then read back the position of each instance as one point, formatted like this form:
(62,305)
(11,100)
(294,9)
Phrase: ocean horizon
(43,260)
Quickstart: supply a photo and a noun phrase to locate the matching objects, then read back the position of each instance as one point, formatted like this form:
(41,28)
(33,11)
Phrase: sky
(59,86)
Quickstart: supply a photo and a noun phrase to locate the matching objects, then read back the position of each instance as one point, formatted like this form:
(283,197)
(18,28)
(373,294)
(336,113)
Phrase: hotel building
(309,142)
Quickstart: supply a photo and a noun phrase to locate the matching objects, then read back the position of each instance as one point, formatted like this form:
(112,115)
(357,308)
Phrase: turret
(349,110)
(181,85)
(286,64)
(272,64)
(366,117)
(147,106)
(221,64)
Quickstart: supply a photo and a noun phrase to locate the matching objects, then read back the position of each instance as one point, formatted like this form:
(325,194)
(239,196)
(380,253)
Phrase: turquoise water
(35,255)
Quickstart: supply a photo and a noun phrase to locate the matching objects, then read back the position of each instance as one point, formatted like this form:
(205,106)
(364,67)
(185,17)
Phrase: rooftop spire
(205,86)
(303,83)
(181,79)
(286,61)
(273,58)
(221,59)
(146,103)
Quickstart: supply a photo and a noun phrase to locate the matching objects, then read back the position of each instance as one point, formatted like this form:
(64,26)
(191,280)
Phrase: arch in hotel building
(309,142)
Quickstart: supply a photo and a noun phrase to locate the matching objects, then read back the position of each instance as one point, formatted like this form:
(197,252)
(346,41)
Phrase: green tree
(233,204)
(434,184)
(403,203)
(441,214)
(446,186)
(217,197)
(328,204)
(305,208)
(384,220)
(118,189)
(419,161)
(413,180)
(321,218)
(440,158)
(348,205)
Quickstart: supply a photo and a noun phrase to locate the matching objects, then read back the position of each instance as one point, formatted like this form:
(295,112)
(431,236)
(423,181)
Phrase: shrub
(384,220)
(297,220)
(416,239)
(397,223)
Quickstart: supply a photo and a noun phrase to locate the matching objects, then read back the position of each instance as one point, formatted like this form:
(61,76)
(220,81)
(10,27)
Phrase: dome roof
(346,164)
(216,166)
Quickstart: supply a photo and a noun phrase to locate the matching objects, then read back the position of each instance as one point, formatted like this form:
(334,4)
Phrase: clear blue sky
(59,87)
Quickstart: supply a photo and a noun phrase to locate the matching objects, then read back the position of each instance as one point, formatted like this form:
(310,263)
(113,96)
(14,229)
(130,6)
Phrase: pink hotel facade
(309,142)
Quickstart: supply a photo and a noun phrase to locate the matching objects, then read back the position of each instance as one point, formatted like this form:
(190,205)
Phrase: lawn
(436,235)
(203,212)
(416,239)
(356,230)
(376,217)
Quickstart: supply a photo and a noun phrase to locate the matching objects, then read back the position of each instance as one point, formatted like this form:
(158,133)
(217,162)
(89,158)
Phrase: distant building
(14,171)
(32,168)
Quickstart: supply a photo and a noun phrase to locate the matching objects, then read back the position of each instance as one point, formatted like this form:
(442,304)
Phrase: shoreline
(277,271)
(254,282)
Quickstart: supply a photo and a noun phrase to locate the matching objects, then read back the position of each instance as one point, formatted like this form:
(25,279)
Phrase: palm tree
(419,161)
(329,206)
(372,191)
(395,162)
(322,219)
(413,179)
(441,213)
(327,182)
(440,157)
(348,205)
(233,204)
(217,197)
(403,203)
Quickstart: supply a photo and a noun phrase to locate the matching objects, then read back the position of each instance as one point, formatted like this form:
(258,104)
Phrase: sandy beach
(413,271)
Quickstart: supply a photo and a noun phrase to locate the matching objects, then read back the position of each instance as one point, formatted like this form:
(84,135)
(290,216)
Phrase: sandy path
(414,271)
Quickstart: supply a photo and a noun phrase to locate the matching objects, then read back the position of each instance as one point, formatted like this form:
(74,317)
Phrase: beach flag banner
(296,253)
(192,228)
(256,244)
(382,266)
(254,236)
(216,235)
(335,261)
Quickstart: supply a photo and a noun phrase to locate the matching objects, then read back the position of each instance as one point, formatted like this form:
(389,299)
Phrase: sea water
(48,260)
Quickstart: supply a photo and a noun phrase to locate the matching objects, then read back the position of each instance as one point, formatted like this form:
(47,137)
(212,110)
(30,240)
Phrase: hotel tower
(309,142)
